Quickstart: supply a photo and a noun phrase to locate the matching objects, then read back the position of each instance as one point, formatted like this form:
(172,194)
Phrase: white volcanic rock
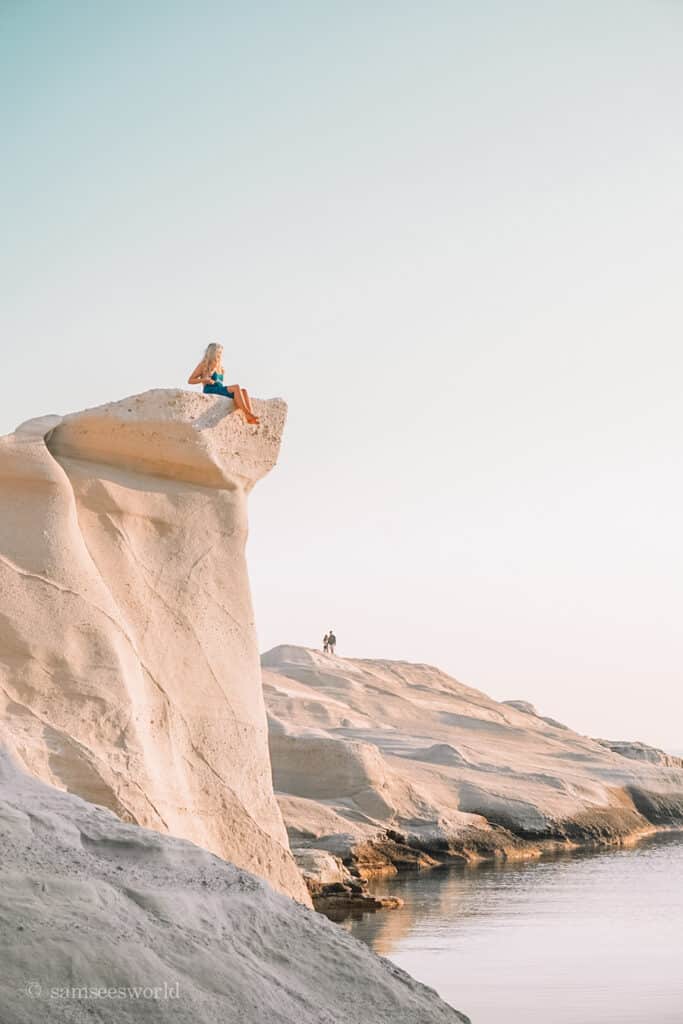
(381,746)
(320,866)
(129,668)
(639,751)
(529,709)
(103,920)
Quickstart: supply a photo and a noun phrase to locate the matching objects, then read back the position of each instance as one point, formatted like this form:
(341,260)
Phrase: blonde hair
(212,356)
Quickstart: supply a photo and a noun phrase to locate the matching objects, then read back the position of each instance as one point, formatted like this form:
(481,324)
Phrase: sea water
(579,939)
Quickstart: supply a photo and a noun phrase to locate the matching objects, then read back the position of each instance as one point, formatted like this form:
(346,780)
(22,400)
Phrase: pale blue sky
(449,234)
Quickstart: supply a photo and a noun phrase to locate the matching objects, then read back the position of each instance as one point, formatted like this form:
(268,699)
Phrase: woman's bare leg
(247,401)
(241,404)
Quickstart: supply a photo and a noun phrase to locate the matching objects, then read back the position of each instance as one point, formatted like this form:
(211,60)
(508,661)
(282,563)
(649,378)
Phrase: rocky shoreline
(396,854)
(383,767)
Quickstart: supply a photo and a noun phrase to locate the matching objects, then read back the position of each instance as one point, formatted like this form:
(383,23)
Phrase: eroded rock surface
(91,905)
(638,751)
(390,765)
(129,669)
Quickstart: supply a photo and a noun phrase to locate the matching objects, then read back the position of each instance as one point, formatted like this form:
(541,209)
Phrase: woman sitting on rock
(210,373)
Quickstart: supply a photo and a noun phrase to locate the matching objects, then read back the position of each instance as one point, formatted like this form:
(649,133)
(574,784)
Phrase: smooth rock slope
(105,921)
(388,764)
(129,667)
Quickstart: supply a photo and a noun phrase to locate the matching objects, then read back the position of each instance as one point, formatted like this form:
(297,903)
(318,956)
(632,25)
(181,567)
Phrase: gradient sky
(450,235)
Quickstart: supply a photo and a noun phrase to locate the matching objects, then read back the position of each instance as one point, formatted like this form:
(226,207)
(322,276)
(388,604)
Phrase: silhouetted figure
(326,644)
(331,641)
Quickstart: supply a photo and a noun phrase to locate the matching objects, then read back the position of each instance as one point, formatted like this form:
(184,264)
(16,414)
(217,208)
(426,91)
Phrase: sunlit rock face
(380,762)
(129,667)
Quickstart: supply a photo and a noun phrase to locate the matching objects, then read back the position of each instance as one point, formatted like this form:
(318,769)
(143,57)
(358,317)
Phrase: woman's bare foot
(249,417)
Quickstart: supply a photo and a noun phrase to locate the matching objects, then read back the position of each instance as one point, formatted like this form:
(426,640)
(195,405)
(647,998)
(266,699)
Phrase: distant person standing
(326,644)
(331,641)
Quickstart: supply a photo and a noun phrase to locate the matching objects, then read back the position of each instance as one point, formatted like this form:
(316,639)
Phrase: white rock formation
(103,920)
(638,751)
(365,748)
(129,669)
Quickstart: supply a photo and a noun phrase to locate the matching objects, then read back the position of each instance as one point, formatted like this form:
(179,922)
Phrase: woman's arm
(199,375)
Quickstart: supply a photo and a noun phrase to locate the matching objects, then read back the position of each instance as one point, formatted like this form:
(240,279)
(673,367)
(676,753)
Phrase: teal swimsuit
(218,387)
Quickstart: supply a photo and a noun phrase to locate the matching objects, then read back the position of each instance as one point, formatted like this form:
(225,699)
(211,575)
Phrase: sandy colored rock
(401,759)
(129,669)
(90,904)
(320,866)
(638,751)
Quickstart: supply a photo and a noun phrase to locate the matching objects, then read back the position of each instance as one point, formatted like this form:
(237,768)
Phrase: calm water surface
(584,939)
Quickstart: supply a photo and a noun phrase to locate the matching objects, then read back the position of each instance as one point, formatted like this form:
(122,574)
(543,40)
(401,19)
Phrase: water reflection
(574,939)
